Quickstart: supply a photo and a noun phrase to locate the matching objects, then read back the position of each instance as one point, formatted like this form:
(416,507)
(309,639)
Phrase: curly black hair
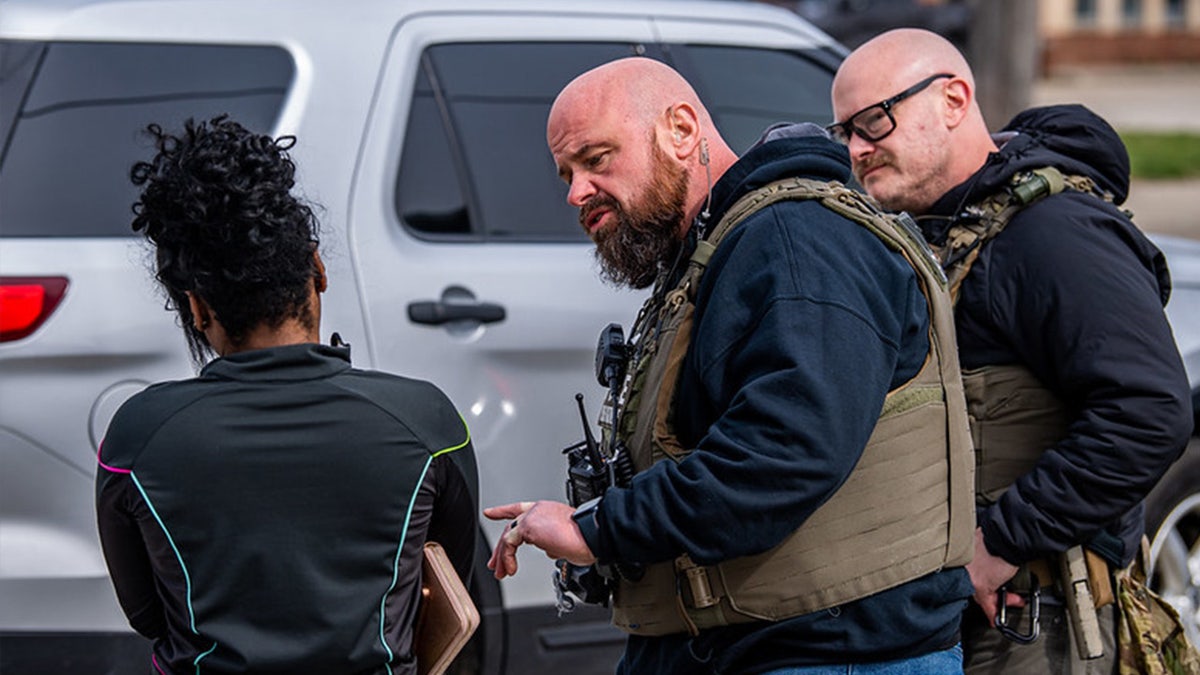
(217,207)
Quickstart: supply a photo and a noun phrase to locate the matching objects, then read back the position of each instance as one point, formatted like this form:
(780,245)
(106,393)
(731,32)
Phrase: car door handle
(436,313)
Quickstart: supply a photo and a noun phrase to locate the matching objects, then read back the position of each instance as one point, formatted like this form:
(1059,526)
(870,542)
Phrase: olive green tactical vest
(1014,417)
(906,509)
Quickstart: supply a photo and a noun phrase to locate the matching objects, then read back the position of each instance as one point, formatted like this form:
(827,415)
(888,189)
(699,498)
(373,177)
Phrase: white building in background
(1127,31)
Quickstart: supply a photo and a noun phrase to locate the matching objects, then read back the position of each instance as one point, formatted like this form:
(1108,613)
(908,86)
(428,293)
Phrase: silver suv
(451,251)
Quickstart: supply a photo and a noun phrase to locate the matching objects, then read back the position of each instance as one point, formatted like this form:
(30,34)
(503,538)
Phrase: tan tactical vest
(905,511)
(1014,417)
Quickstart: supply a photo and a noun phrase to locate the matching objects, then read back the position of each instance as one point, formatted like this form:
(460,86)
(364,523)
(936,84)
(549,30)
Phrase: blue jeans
(948,662)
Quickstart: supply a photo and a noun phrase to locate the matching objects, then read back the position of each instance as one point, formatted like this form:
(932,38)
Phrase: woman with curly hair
(268,516)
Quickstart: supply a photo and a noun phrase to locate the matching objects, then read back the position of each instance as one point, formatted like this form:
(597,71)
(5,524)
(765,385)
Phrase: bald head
(898,58)
(640,89)
(929,140)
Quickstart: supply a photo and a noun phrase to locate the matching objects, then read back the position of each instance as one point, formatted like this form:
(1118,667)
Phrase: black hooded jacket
(1073,291)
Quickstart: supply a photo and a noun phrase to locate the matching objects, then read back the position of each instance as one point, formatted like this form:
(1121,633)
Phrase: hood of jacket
(783,152)
(1071,138)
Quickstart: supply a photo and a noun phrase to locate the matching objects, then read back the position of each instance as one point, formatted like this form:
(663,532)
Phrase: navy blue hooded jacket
(805,320)
(1073,291)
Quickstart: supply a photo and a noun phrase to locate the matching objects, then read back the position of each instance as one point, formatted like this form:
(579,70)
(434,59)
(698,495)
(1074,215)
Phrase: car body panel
(1183,260)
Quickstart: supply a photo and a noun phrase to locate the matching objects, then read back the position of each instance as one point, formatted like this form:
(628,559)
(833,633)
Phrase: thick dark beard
(645,237)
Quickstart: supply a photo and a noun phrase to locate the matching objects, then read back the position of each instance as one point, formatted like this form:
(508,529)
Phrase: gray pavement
(1147,98)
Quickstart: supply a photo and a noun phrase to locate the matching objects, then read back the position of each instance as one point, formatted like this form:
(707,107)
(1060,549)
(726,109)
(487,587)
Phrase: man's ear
(957,97)
(683,129)
(320,279)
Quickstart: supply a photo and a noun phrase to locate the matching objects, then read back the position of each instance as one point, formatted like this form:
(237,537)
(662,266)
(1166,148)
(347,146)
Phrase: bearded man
(778,521)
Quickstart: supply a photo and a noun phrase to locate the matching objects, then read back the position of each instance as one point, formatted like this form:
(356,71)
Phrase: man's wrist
(993,543)
(586,520)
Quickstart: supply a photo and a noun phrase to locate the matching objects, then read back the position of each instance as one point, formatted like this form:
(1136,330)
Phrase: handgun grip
(1081,606)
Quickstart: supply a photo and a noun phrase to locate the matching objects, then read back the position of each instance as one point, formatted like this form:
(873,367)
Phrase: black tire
(1173,526)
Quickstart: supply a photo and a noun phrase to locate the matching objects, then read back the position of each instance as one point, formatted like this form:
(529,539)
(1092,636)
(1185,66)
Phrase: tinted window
(65,169)
(746,90)
(1176,14)
(1131,13)
(475,160)
(429,193)
(18,60)
(1085,12)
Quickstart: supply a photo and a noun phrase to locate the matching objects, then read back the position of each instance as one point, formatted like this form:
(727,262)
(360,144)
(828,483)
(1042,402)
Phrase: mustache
(875,161)
(595,204)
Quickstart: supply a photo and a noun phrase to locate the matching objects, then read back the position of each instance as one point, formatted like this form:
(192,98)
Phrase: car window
(748,89)
(474,165)
(65,166)
(474,160)
(18,60)
(429,192)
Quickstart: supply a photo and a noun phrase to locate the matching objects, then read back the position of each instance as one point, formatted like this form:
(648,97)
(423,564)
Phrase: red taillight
(26,303)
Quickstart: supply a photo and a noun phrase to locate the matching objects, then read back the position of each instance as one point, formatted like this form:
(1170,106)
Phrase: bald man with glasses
(1078,397)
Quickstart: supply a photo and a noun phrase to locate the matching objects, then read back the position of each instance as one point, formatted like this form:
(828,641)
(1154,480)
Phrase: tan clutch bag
(447,617)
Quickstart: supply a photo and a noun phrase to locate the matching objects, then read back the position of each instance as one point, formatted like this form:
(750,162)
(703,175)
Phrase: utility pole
(1003,48)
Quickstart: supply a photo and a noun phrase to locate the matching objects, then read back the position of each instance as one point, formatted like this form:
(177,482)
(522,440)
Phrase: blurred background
(1135,62)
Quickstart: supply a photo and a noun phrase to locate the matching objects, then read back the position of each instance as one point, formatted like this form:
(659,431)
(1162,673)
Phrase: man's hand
(547,525)
(988,574)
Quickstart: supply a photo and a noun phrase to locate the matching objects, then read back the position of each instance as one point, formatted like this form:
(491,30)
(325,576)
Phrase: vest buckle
(697,583)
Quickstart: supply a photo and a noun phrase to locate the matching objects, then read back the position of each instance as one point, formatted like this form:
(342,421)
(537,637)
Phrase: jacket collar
(288,363)
(809,156)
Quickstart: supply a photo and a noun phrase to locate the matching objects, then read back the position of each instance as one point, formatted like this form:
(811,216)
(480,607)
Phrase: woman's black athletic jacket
(268,516)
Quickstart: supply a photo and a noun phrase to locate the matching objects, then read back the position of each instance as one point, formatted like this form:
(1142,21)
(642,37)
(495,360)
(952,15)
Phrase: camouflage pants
(987,652)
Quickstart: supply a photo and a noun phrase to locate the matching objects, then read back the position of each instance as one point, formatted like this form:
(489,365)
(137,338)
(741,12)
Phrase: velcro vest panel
(864,539)
(1014,417)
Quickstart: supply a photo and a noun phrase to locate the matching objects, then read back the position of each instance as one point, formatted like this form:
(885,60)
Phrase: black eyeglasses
(874,122)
